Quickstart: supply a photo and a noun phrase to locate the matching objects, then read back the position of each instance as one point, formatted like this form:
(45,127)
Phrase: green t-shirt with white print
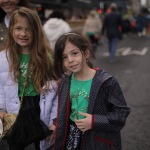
(29,90)
(79,96)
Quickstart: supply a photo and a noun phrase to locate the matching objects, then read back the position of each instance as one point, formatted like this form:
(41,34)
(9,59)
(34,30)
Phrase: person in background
(126,25)
(147,24)
(92,29)
(27,82)
(92,109)
(112,25)
(55,26)
(7,7)
(140,22)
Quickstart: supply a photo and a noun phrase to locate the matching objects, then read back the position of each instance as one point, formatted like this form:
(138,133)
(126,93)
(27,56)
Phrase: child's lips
(74,66)
(23,39)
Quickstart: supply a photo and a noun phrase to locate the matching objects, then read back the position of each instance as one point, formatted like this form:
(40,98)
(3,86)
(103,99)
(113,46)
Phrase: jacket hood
(53,23)
(55,27)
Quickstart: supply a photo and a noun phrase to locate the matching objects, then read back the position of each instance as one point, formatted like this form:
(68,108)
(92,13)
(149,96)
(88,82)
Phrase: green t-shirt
(79,96)
(30,90)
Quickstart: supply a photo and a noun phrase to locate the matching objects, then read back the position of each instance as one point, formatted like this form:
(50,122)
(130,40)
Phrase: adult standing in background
(7,7)
(92,29)
(112,25)
(55,26)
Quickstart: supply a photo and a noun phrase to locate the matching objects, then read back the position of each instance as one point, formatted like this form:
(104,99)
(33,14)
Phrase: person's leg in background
(94,44)
(109,45)
(112,48)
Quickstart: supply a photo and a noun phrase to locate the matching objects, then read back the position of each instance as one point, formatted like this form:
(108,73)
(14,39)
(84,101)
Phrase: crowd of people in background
(137,24)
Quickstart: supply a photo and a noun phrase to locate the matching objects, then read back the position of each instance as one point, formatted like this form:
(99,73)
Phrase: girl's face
(22,33)
(9,6)
(73,59)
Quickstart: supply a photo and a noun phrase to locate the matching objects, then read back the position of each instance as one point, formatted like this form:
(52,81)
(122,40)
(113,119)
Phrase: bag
(9,119)
(97,36)
(93,37)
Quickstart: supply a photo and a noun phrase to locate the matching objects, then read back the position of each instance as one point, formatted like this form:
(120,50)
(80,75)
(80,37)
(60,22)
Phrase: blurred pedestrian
(6,9)
(126,25)
(27,82)
(55,26)
(147,18)
(92,109)
(140,22)
(112,25)
(92,29)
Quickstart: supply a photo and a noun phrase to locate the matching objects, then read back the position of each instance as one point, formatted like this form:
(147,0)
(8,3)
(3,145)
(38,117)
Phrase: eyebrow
(73,50)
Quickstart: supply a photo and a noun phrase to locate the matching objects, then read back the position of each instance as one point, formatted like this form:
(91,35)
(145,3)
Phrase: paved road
(132,70)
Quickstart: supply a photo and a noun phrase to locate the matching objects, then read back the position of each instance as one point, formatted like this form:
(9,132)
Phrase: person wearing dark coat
(91,107)
(113,24)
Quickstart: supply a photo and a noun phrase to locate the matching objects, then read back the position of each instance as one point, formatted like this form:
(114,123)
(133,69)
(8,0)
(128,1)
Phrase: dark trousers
(19,147)
(112,47)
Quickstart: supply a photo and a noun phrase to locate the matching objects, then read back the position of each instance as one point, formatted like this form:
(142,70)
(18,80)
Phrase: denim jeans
(112,47)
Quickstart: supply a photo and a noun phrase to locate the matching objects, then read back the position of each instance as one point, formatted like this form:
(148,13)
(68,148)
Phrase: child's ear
(87,53)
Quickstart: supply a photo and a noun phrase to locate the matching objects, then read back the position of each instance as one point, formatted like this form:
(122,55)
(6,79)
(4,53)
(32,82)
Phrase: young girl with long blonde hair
(27,81)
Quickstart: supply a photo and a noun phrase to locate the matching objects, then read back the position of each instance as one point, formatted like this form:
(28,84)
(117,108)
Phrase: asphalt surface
(132,70)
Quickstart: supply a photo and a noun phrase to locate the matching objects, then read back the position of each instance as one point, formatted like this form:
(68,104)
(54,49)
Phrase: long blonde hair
(41,63)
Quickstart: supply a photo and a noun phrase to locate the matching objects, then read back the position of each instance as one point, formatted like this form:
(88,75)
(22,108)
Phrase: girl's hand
(51,139)
(86,123)
(2,114)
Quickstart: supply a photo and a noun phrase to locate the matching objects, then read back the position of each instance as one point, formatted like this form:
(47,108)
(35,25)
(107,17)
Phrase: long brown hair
(41,63)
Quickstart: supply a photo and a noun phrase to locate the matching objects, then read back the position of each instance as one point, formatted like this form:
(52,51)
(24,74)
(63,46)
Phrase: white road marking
(124,51)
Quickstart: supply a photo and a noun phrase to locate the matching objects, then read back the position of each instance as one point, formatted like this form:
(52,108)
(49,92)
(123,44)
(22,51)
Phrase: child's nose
(23,33)
(70,59)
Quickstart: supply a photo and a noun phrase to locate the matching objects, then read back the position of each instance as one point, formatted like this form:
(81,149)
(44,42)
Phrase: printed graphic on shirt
(79,102)
(23,73)
(29,90)
(23,69)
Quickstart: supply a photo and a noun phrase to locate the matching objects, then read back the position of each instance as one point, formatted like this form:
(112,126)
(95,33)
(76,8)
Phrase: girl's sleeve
(2,95)
(53,113)
(117,109)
